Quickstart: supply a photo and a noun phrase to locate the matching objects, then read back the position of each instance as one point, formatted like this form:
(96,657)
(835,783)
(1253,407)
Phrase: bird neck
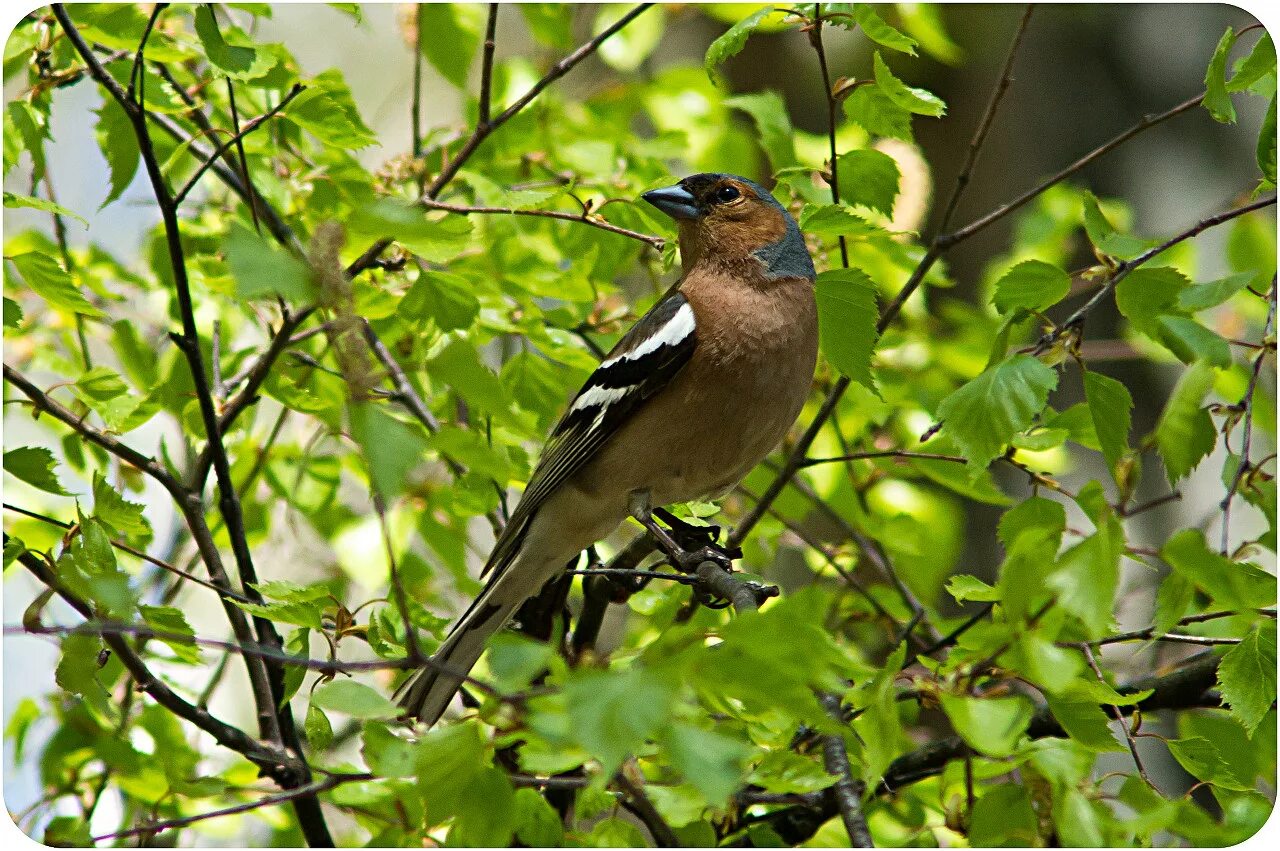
(783,258)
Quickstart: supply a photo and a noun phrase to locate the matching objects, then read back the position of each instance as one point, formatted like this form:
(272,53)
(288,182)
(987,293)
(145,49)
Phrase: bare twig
(1118,715)
(655,242)
(238,139)
(1246,406)
(984,126)
(148,830)
(123,547)
(1122,270)
(483,129)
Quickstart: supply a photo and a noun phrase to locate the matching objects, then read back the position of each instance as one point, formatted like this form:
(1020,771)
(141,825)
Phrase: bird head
(730,220)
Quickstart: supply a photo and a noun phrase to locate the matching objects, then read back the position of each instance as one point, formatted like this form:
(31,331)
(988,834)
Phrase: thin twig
(564,66)
(238,139)
(1122,270)
(1246,404)
(1118,715)
(486,66)
(225,734)
(124,547)
(151,829)
(984,126)
(655,242)
(142,46)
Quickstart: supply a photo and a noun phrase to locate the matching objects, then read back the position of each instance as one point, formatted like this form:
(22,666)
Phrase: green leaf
(1267,143)
(870,178)
(1247,676)
(119,145)
(1087,575)
(354,699)
(1260,62)
(1204,296)
(31,126)
(318,729)
(1147,293)
(1031,285)
(833,220)
(485,817)
(100,384)
(550,24)
(239,61)
(166,619)
(626,49)
(537,824)
(923,22)
(1109,407)
(964,587)
(448,759)
(13,201)
(1202,760)
(387,754)
(1216,99)
(67,832)
(613,712)
(991,725)
(875,28)
(1185,433)
(391,448)
(446,298)
(1234,585)
(712,762)
(34,465)
(786,772)
(262,270)
(1190,341)
(847,322)
(298,614)
(450,37)
(913,100)
(77,670)
(983,415)
(769,112)
(51,282)
(732,42)
(327,111)
(1087,723)
(874,111)
(434,240)
(12,313)
(1104,236)
(1004,817)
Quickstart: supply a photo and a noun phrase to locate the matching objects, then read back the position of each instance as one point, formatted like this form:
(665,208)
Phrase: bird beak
(676,201)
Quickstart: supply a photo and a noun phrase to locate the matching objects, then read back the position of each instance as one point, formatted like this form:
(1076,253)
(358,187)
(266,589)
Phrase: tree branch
(1186,688)
(846,793)
(484,128)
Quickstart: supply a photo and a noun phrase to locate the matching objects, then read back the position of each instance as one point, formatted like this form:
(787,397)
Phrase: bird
(692,397)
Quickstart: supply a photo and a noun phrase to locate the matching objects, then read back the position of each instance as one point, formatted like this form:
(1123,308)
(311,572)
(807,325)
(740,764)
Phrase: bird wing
(640,365)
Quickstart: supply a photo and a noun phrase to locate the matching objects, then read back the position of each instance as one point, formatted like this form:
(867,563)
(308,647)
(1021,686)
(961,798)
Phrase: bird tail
(427,693)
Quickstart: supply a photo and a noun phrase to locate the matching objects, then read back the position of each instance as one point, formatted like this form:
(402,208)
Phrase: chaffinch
(686,404)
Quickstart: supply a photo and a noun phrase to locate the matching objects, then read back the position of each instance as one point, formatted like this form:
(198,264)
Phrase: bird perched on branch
(689,400)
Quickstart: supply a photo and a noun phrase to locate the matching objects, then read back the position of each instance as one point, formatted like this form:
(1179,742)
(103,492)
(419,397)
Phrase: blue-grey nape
(789,256)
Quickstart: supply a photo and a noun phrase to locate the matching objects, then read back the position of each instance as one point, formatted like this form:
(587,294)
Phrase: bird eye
(726,194)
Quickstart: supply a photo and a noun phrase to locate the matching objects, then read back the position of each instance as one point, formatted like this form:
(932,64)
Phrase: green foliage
(984,414)
(941,588)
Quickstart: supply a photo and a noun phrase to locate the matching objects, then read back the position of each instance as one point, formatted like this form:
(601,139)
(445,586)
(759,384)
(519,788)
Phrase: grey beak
(676,201)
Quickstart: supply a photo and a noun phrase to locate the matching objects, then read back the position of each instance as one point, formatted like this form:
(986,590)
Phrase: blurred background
(1084,74)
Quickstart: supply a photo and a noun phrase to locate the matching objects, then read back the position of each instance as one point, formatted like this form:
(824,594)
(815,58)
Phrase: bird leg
(682,559)
(693,537)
